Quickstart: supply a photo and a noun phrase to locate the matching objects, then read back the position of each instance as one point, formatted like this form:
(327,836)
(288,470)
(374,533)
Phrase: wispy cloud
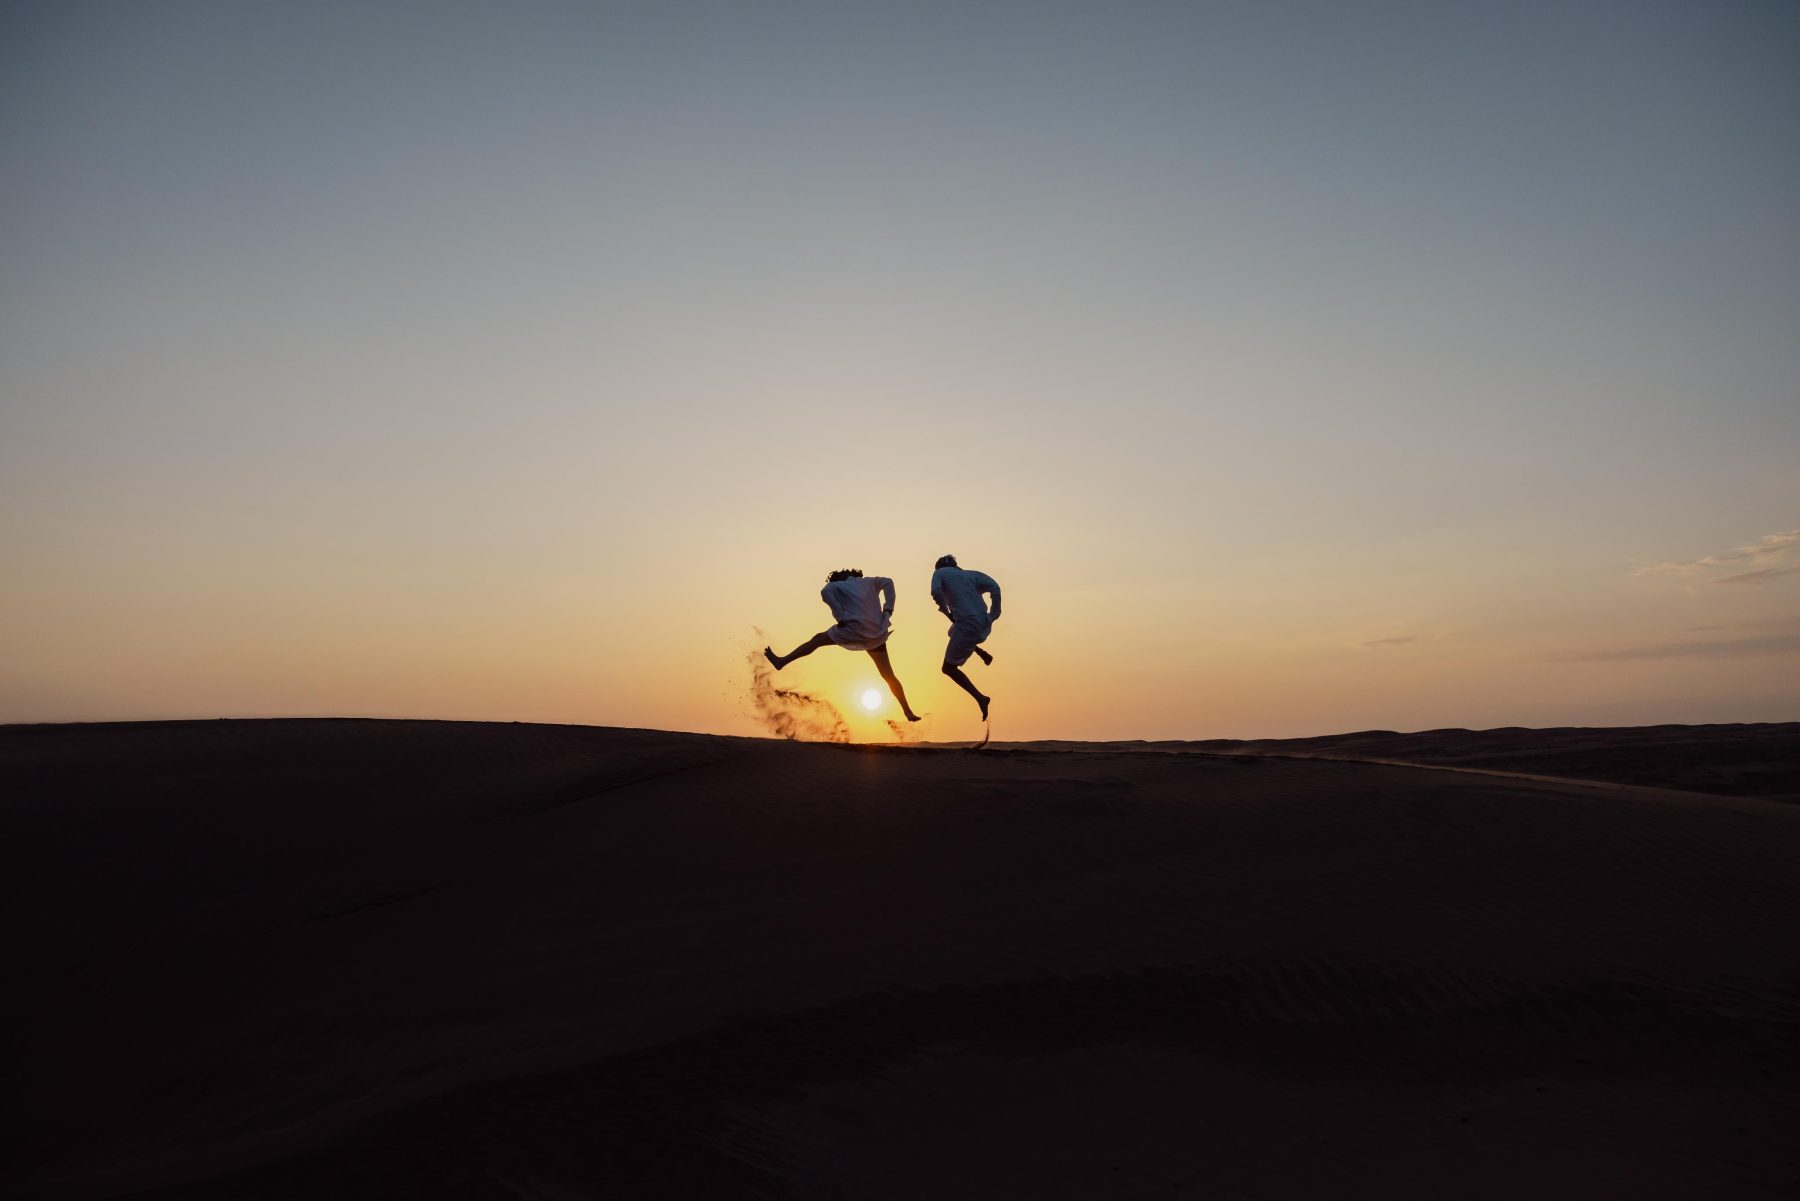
(1421,639)
(1768,547)
(1758,577)
(1716,648)
(1787,625)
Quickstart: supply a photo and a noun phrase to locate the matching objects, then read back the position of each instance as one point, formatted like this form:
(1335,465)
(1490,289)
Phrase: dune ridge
(1750,759)
(366,958)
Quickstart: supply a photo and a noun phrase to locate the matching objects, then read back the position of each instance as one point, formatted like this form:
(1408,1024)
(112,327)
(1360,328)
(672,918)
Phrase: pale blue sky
(396,358)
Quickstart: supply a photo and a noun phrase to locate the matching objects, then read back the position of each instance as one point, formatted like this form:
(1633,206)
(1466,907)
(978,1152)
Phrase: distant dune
(382,959)
(1757,759)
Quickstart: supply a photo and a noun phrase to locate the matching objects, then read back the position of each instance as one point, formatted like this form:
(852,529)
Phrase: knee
(949,669)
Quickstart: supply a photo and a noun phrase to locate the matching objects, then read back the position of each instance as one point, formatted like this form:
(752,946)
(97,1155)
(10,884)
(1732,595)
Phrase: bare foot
(984,702)
(774,658)
(984,656)
(910,716)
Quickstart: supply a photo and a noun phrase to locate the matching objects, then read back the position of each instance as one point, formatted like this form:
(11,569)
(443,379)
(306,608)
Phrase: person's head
(947,561)
(844,573)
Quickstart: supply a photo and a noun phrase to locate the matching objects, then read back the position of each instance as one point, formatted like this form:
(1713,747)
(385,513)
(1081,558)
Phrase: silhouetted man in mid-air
(958,594)
(863,609)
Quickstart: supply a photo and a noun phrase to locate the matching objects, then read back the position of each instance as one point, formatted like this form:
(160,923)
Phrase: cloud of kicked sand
(800,716)
(790,713)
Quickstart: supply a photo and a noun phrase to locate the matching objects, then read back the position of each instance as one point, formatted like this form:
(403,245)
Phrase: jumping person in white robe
(863,609)
(958,594)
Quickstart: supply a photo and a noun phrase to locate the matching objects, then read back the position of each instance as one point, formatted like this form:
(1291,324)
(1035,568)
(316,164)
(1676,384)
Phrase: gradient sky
(1296,368)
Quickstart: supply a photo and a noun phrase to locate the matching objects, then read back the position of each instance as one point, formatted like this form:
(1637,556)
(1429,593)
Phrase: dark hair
(947,561)
(844,573)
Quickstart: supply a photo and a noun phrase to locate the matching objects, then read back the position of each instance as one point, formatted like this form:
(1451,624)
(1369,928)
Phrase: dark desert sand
(1754,759)
(359,959)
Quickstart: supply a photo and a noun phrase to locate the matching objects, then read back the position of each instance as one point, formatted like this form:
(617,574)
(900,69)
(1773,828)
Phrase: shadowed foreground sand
(355,959)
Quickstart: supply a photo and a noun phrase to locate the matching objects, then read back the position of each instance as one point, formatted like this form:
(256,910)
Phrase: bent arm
(885,587)
(993,591)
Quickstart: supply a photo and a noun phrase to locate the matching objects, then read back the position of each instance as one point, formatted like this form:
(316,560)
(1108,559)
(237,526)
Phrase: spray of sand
(789,712)
(798,715)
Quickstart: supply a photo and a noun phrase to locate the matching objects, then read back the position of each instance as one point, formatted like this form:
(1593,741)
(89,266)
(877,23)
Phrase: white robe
(862,617)
(959,592)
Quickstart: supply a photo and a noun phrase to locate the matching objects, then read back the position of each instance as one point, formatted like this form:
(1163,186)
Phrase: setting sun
(871,699)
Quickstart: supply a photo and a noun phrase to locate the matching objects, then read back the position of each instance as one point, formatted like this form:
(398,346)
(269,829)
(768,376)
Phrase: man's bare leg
(963,682)
(822,638)
(886,668)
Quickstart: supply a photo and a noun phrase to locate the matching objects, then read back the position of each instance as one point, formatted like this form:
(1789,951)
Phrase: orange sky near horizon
(1291,376)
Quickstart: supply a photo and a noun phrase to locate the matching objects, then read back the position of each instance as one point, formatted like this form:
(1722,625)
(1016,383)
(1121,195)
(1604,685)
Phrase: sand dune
(1752,759)
(347,959)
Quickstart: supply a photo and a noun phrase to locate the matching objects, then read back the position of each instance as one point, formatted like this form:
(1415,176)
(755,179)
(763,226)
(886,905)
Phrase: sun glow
(871,700)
